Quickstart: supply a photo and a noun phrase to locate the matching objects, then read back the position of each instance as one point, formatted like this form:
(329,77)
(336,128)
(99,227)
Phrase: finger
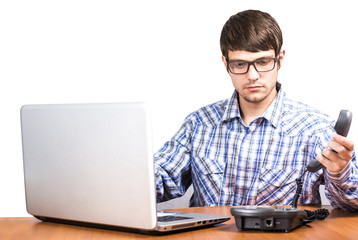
(330,155)
(327,163)
(346,142)
(331,161)
(342,151)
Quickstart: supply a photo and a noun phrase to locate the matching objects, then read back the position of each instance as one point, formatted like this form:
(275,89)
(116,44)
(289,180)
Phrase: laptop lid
(90,163)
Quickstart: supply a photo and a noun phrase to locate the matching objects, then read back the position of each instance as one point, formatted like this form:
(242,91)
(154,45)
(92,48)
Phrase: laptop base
(122,229)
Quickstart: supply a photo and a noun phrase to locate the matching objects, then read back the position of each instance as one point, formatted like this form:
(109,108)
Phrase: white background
(163,52)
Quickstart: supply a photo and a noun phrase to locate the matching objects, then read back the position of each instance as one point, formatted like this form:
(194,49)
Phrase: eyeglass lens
(261,65)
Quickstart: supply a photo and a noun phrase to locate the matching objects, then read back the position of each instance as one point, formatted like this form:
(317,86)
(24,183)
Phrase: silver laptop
(92,164)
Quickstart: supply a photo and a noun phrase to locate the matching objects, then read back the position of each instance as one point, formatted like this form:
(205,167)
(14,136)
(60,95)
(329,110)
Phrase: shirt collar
(272,113)
(232,108)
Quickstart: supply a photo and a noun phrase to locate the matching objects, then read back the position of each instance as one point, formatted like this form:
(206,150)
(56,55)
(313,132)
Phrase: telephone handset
(342,127)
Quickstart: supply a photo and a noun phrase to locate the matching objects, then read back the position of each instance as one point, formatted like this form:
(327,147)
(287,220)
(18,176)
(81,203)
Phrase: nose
(252,74)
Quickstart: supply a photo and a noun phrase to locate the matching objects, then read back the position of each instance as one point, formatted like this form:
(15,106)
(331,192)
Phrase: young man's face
(254,86)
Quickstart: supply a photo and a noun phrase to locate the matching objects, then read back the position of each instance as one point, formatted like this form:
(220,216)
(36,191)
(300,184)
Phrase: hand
(336,160)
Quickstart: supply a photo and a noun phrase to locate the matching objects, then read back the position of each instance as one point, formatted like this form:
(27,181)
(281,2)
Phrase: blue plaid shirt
(229,163)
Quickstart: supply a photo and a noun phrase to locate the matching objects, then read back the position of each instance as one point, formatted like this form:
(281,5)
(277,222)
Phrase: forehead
(249,56)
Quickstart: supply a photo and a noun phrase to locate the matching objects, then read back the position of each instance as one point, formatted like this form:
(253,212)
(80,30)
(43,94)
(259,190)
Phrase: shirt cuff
(341,176)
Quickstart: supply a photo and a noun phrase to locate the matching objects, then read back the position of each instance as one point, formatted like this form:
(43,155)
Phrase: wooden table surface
(339,225)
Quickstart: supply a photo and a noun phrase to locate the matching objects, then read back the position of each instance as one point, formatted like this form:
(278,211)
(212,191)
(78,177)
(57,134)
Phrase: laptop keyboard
(171,218)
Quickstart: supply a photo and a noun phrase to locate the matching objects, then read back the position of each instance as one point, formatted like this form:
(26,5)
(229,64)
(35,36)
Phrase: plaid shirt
(229,163)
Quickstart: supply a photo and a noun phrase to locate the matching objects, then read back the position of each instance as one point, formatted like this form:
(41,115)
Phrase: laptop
(92,165)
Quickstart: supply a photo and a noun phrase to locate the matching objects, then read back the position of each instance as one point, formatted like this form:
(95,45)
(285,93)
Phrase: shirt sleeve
(172,165)
(342,187)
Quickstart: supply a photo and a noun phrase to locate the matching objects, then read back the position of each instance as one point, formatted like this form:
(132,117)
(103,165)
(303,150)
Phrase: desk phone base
(268,218)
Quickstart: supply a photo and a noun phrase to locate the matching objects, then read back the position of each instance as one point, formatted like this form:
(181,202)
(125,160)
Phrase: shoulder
(209,115)
(299,118)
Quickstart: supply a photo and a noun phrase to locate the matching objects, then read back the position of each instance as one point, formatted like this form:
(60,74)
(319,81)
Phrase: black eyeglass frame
(252,63)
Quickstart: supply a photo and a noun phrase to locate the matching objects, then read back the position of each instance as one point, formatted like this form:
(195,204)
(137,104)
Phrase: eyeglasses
(260,65)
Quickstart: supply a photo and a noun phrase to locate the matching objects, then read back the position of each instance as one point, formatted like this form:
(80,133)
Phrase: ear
(281,58)
(224,61)
(282,55)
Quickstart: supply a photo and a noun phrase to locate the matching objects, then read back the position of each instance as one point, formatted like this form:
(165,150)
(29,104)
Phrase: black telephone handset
(342,128)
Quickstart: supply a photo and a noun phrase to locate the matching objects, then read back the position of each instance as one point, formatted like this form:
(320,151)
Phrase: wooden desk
(339,225)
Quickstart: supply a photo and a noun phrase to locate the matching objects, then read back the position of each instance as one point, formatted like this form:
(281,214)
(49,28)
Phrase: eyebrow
(237,60)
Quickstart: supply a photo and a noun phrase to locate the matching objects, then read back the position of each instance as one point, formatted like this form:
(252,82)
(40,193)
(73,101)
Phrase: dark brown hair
(251,31)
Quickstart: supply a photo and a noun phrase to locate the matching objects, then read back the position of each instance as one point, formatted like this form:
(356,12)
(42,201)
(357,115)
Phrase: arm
(172,165)
(341,173)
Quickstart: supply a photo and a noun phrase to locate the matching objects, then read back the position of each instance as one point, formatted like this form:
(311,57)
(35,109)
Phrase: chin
(255,98)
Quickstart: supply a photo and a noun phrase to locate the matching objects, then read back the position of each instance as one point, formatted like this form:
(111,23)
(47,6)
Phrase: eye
(239,64)
(263,61)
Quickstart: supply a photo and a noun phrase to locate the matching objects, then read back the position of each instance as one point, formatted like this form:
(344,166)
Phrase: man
(250,148)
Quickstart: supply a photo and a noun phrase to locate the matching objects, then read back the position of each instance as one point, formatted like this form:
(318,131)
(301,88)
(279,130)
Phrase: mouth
(253,88)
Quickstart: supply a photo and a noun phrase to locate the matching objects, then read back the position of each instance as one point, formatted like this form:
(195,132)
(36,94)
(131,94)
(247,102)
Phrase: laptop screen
(90,162)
